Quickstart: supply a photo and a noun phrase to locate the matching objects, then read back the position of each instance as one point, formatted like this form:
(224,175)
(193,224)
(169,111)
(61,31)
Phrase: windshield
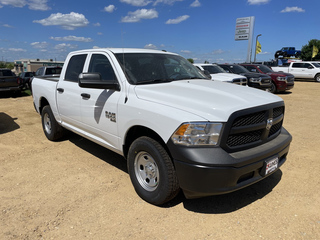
(265,69)
(145,68)
(238,69)
(213,69)
(317,65)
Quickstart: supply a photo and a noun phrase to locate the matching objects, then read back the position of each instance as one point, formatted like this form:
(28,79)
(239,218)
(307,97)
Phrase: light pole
(255,50)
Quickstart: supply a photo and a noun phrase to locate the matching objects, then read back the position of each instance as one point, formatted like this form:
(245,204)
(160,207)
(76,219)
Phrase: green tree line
(307,50)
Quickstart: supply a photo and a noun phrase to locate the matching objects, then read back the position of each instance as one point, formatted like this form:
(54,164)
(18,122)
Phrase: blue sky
(200,29)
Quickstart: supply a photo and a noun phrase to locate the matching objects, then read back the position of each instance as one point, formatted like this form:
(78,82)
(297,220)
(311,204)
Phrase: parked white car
(219,74)
(306,70)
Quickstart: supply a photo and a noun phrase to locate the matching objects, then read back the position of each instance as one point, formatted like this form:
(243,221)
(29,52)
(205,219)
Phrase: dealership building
(31,65)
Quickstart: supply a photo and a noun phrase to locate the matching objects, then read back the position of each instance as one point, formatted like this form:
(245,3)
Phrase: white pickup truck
(175,127)
(219,74)
(306,70)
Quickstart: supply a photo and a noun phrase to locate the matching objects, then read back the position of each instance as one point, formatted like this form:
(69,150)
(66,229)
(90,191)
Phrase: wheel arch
(138,131)
(43,102)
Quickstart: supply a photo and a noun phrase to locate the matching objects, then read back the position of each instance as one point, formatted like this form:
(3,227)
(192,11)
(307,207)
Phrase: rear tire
(51,128)
(151,171)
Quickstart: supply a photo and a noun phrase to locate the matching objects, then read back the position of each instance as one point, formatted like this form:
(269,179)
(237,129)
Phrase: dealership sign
(244,27)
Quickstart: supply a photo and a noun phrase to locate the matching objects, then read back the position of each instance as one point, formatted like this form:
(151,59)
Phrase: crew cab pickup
(176,128)
(9,82)
(217,73)
(305,70)
(256,80)
(48,71)
(280,81)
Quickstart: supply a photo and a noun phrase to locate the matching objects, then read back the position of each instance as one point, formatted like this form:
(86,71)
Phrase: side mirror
(310,67)
(207,73)
(93,80)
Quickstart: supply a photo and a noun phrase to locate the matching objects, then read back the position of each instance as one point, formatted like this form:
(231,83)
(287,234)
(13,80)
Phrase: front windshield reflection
(145,68)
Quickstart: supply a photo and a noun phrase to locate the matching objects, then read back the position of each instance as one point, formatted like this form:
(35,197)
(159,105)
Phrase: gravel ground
(75,189)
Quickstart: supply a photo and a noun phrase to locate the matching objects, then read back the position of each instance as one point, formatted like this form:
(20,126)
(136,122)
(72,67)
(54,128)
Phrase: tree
(190,60)
(9,65)
(306,50)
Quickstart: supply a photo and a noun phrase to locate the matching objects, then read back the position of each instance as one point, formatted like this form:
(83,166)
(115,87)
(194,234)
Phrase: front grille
(290,79)
(265,81)
(249,128)
(240,81)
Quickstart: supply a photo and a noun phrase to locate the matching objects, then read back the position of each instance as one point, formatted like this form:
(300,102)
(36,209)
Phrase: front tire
(151,171)
(273,88)
(317,77)
(51,128)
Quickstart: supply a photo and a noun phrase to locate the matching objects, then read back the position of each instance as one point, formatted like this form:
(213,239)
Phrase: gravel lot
(75,189)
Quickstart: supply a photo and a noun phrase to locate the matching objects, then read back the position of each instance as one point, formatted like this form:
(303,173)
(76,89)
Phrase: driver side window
(100,64)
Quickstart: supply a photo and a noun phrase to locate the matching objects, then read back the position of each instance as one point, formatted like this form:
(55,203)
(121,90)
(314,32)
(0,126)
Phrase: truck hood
(277,74)
(224,77)
(211,100)
(255,75)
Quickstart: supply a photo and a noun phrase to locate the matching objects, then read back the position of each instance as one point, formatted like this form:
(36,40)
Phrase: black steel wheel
(151,171)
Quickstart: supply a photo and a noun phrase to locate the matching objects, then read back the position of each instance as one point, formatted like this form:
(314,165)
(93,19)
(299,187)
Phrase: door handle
(60,90)
(85,95)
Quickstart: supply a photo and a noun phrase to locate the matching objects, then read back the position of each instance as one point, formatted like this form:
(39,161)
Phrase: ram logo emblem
(269,124)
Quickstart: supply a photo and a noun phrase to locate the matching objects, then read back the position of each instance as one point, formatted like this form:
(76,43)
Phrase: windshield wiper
(155,81)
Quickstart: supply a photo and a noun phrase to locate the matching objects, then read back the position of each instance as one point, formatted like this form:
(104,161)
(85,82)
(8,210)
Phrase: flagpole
(255,50)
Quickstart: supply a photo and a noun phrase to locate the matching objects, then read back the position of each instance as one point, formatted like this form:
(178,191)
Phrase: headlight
(197,134)
(255,79)
(282,78)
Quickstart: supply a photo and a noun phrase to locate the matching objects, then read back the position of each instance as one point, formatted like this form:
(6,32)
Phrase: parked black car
(9,82)
(26,79)
(256,80)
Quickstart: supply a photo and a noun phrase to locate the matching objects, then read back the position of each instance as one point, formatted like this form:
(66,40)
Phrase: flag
(258,47)
(315,51)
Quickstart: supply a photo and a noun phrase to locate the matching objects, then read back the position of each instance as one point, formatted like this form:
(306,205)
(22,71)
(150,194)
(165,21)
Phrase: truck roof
(124,50)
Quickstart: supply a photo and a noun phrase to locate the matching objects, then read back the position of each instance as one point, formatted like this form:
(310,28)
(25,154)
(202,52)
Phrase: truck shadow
(234,201)
(98,151)
(210,205)
(7,123)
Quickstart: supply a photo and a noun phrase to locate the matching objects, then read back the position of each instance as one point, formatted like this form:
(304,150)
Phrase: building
(31,65)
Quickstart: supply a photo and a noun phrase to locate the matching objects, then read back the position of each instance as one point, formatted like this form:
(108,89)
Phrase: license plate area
(270,166)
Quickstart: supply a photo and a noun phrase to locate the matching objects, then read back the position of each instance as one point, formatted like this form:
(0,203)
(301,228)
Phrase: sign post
(244,31)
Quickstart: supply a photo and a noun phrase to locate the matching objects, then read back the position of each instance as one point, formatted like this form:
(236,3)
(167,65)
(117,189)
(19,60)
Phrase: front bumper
(212,171)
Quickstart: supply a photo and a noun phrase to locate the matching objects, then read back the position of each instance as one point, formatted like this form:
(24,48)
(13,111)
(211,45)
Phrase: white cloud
(38,5)
(64,47)
(69,21)
(7,26)
(292,9)
(257,2)
(137,3)
(72,38)
(17,50)
(196,3)
(109,9)
(150,46)
(178,19)
(219,51)
(14,3)
(140,14)
(169,2)
(39,45)
(33,4)
(97,24)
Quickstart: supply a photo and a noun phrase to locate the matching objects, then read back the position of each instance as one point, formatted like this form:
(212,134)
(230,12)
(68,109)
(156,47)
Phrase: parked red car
(280,81)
